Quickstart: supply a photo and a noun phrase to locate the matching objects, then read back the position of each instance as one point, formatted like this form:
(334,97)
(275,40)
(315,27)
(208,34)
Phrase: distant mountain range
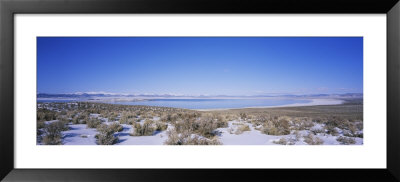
(92,94)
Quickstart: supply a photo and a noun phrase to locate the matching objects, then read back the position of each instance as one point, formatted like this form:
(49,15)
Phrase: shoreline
(314,102)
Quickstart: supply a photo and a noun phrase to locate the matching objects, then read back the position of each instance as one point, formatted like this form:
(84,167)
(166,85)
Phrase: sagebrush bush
(331,129)
(340,123)
(281,141)
(143,130)
(93,123)
(40,124)
(286,141)
(52,133)
(63,119)
(317,130)
(346,140)
(297,135)
(310,139)
(201,125)
(205,126)
(302,124)
(317,120)
(83,121)
(161,126)
(221,120)
(127,117)
(75,120)
(243,116)
(46,115)
(116,127)
(242,128)
(105,135)
(82,118)
(278,126)
(186,138)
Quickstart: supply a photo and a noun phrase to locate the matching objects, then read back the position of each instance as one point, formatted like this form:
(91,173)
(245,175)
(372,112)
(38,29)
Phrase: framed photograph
(131,90)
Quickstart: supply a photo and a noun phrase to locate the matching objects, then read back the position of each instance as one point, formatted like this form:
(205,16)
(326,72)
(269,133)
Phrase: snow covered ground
(255,137)
(242,128)
(125,139)
(79,134)
(252,137)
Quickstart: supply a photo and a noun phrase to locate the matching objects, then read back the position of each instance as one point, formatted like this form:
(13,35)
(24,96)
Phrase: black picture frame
(8,8)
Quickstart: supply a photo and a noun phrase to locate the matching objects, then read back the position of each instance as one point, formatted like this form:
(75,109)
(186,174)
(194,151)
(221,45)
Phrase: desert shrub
(297,136)
(243,116)
(345,140)
(75,120)
(116,127)
(165,118)
(40,124)
(271,131)
(279,126)
(206,126)
(185,125)
(143,130)
(353,131)
(71,114)
(82,118)
(105,135)
(131,121)
(83,121)
(40,115)
(230,117)
(112,116)
(242,128)
(63,125)
(93,123)
(281,141)
(317,120)
(221,121)
(169,117)
(348,133)
(310,139)
(161,126)
(63,119)
(331,129)
(186,138)
(358,134)
(149,115)
(52,133)
(317,130)
(127,118)
(359,125)
(258,121)
(46,115)
(303,124)
(340,123)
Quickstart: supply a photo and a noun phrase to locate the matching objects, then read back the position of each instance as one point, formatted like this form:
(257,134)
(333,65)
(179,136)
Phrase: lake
(214,103)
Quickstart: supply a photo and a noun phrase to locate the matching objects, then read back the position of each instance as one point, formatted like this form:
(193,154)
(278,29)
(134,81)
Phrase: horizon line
(195,95)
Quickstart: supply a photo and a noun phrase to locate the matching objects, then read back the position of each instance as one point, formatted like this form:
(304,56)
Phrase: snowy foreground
(86,123)
(79,134)
(255,137)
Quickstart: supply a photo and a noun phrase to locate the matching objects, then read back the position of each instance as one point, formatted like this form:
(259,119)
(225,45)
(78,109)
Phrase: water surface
(214,103)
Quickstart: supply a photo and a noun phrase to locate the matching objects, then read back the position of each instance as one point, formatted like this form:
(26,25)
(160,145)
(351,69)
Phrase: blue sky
(200,65)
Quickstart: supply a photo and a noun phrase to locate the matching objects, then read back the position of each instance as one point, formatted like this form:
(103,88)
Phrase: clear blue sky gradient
(200,65)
